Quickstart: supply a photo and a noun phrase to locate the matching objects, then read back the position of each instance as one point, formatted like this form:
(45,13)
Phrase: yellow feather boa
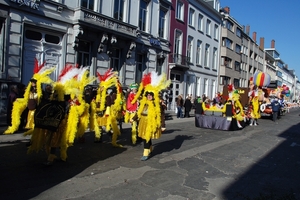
(18,107)
(153,117)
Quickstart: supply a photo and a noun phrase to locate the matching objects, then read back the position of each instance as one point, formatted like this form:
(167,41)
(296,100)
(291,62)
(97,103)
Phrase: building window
(208,24)
(236,83)
(226,62)
(224,80)
(189,52)
(162,22)
(215,58)
(178,42)
(143,15)
(227,43)
(205,86)
(200,22)
(140,67)
(2,31)
(159,65)
(179,10)
(238,49)
(119,9)
(199,52)
(89,4)
(206,56)
(213,87)
(115,60)
(216,32)
(238,32)
(191,17)
(228,25)
(83,53)
(237,66)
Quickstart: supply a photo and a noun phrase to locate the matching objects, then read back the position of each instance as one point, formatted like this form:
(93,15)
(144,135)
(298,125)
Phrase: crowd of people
(59,112)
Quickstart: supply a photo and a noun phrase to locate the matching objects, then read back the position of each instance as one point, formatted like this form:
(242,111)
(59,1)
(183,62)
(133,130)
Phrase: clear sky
(277,20)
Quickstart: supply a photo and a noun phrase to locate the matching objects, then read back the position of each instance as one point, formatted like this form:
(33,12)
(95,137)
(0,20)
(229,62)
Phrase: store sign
(154,42)
(34,4)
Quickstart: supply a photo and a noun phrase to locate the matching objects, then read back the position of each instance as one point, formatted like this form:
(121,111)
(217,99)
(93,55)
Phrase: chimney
(286,66)
(248,30)
(262,43)
(227,10)
(254,36)
(273,44)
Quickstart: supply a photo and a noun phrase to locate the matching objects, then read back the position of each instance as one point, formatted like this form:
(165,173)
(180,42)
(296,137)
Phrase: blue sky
(272,19)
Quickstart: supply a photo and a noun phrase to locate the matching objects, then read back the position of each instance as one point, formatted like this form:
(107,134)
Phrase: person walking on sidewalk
(179,103)
(187,106)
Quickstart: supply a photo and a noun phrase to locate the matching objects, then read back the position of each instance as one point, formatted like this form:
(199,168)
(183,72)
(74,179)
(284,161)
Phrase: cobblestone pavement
(187,163)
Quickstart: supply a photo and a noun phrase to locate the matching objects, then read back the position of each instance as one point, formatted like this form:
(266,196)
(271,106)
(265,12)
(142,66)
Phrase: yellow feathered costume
(105,113)
(150,124)
(41,75)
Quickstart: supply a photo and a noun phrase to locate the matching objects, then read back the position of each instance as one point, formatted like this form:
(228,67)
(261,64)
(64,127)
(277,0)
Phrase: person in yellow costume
(253,104)
(131,111)
(105,108)
(149,111)
(50,139)
(32,97)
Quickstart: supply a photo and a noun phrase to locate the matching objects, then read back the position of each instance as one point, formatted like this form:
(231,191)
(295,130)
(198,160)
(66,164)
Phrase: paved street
(259,162)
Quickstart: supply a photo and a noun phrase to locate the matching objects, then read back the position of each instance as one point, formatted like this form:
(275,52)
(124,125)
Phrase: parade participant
(52,128)
(254,104)
(83,107)
(149,112)
(105,109)
(32,96)
(131,111)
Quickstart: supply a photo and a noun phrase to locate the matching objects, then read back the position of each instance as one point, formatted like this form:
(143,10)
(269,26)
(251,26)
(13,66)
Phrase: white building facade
(203,48)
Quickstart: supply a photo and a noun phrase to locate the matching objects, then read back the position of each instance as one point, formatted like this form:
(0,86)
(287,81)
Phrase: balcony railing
(180,59)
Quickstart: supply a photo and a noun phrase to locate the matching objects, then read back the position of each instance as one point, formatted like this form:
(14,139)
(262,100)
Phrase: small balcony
(180,60)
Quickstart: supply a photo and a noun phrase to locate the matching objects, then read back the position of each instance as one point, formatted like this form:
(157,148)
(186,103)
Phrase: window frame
(208,27)
(200,23)
(189,49)
(179,10)
(206,55)
(199,52)
(121,5)
(143,19)
(165,10)
(191,17)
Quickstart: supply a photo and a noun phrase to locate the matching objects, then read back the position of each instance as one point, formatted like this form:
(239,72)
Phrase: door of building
(175,89)
(45,47)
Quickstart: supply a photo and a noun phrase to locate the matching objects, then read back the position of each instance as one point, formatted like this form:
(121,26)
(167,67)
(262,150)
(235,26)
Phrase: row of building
(196,43)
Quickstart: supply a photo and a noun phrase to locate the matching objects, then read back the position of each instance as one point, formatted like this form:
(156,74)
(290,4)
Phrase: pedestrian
(163,107)
(187,106)
(275,109)
(13,95)
(179,103)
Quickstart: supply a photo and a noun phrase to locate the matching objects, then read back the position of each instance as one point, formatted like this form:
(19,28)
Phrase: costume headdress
(67,83)
(108,80)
